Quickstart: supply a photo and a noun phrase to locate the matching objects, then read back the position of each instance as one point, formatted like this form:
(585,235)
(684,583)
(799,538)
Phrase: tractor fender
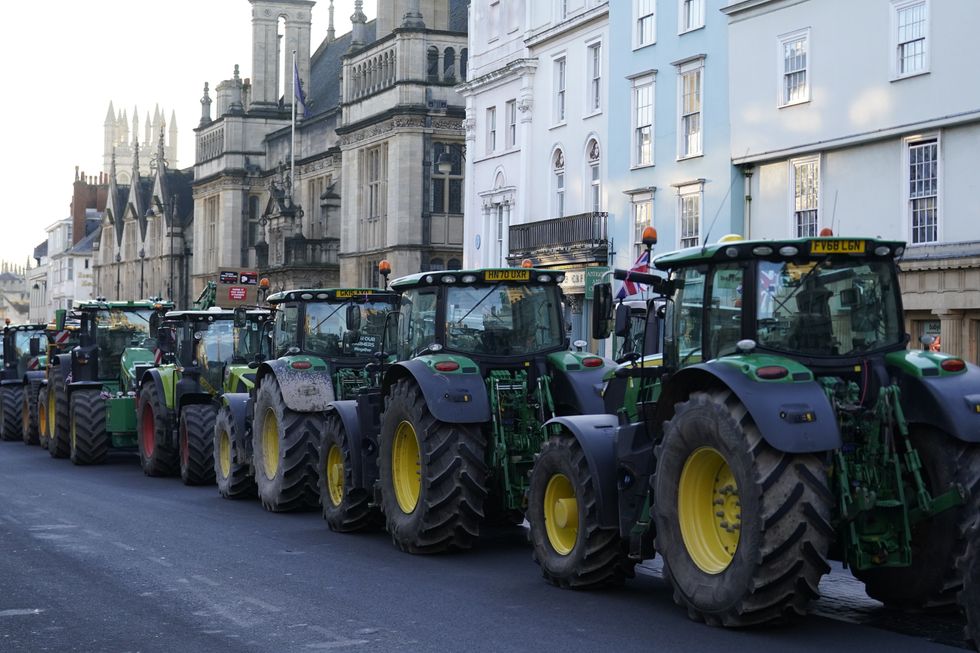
(192,398)
(451,397)
(239,405)
(9,382)
(949,403)
(596,434)
(303,391)
(579,390)
(164,385)
(346,410)
(793,417)
(34,376)
(83,385)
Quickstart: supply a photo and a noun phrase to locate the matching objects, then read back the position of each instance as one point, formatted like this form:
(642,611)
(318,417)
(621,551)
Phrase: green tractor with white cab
(785,424)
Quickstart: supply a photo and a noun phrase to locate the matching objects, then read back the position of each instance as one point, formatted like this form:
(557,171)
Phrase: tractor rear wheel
(284,446)
(234,478)
(433,475)
(42,416)
(563,510)
(743,529)
(29,417)
(158,457)
(970,594)
(87,437)
(196,430)
(12,398)
(345,507)
(932,580)
(58,446)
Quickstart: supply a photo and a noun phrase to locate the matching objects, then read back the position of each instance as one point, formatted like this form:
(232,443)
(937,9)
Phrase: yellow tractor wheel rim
(709,510)
(561,514)
(71,433)
(270,444)
(51,416)
(42,422)
(25,419)
(406,467)
(224,454)
(335,475)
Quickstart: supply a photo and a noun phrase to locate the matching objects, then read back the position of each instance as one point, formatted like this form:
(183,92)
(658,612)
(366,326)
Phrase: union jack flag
(631,287)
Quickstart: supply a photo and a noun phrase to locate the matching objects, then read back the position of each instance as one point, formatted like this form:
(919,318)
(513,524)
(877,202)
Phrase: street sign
(237,293)
(592,277)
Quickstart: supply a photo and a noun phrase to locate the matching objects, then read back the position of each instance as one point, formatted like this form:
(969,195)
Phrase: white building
(37,285)
(861,117)
(70,277)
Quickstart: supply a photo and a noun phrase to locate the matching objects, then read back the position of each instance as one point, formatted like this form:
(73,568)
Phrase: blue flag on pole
(298,96)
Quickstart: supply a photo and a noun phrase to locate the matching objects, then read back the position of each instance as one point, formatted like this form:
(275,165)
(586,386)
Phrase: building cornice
(736,9)
(515,68)
(571,24)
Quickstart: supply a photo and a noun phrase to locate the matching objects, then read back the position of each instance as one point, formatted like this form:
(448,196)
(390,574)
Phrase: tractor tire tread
(198,425)
(239,484)
(88,414)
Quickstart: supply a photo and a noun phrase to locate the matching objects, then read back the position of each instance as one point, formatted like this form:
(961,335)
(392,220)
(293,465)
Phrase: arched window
(435,264)
(595,180)
(432,58)
(253,220)
(558,170)
(464,58)
(454,264)
(449,65)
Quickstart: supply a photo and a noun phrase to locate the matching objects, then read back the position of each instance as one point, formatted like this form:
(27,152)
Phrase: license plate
(507,275)
(837,247)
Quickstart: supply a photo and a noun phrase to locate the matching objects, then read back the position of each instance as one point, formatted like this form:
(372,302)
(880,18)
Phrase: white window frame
(639,201)
(782,42)
(896,7)
(559,182)
(491,129)
(793,222)
(593,169)
(638,83)
(559,95)
(684,192)
(686,68)
(907,145)
(682,26)
(510,111)
(639,19)
(593,57)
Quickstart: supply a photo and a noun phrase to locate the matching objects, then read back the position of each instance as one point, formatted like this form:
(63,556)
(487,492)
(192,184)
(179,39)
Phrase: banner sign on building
(228,277)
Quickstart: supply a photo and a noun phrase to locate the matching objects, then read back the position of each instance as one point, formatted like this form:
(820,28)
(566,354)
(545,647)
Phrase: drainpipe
(747,227)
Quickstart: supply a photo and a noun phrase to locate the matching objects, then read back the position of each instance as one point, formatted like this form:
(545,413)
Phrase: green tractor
(786,423)
(176,408)
(444,444)
(322,340)
(93,396)
(23,368)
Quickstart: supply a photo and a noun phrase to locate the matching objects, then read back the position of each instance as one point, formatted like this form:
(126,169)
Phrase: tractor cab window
(21,349)
(724,316)
(828,307)
(416,322)
(503,319)
(287,322)
(116,330)
(688,308)
(248,341)
(215,342)
(326,328)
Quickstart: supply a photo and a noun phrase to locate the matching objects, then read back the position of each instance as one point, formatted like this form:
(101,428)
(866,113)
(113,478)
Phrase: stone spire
(331,33)
(205,107)
(236,105)
(358,26)
(110,115)
(136,126)
(413,17)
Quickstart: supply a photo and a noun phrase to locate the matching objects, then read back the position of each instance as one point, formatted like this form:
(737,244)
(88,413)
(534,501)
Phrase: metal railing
(586,230)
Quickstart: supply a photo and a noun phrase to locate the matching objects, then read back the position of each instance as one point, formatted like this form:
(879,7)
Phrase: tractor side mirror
(60,316)
(166,339)
(621,323)
(241,317)
(34,346)
(602,306)
(353,317)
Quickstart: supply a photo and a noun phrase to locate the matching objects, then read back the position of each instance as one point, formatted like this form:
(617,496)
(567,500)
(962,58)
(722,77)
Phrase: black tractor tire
(572,554)
(285,468)
(969,598)
(58,445)
(158,456)
(196,433)
(448,510)
(87,437)
(234,477)
(12,399)
(346,508)
(932,581)
(42,417)
(779,504)
(29,415)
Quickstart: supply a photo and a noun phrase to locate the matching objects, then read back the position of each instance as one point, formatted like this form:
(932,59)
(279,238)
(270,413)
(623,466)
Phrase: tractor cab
(22,346)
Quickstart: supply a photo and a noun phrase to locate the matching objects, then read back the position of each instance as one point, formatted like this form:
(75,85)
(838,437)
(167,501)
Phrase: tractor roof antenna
(704,245)
(833,214)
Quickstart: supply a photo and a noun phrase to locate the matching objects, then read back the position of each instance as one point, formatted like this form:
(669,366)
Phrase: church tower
(122,136)
(272,54)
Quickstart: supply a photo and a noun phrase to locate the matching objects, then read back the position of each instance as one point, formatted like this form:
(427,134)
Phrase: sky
(60,75)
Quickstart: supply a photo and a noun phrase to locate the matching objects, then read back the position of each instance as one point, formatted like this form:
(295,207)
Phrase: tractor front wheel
(433,475)
(29,419)
(234,477)
(284,446)
(345,507)
(87,437)
(58,446)
(158,457)
(197,444)
(743,529)
(11,398)
(563,511)
(42,417)
(932,580)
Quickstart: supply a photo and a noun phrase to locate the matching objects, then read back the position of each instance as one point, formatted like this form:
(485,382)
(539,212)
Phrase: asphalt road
(106,559)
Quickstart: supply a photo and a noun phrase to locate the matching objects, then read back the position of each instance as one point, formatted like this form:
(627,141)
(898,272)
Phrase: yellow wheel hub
(71,433)
(42,422)
(51,415)
(561,514)
(406,467)
(270,444)
(335,475)
(224,454)
(709,510)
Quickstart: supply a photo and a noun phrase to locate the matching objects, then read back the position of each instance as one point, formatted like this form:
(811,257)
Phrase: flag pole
(292,145)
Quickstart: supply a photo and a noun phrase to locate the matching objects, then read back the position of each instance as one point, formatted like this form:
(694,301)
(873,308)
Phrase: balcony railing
(299,252)
(576,238)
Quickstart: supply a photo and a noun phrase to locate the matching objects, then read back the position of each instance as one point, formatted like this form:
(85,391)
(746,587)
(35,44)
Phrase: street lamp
(142,256)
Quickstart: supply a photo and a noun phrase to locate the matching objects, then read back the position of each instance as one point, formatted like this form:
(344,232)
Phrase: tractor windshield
(828,307)
(216,342)
(117,329)
(327,334)
(503,319)
(248,341)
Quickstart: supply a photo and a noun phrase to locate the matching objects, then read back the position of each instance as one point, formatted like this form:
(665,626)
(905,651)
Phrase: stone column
(413,17)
